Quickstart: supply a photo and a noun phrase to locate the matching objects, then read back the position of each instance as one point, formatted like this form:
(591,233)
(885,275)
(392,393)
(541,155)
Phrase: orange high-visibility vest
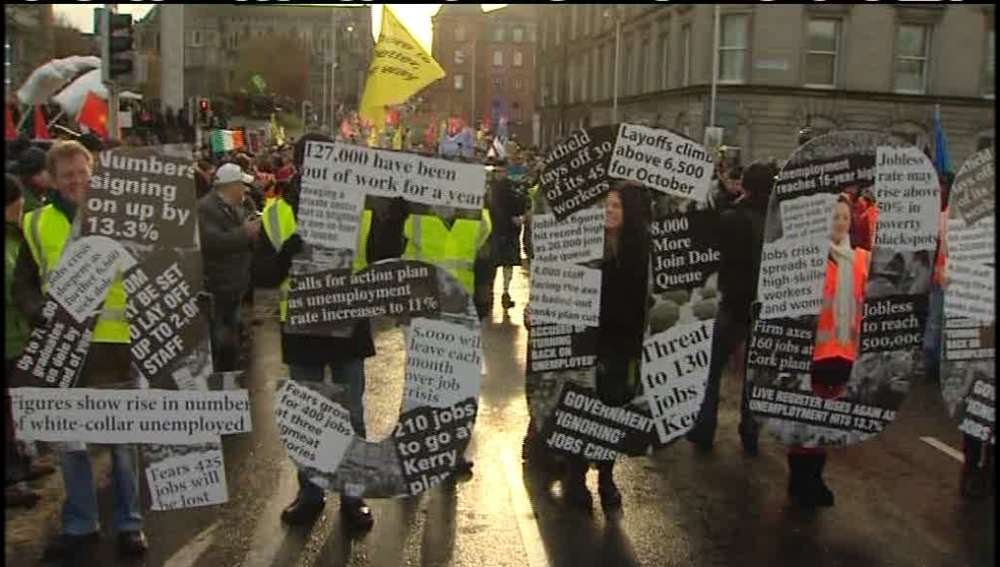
(827,345)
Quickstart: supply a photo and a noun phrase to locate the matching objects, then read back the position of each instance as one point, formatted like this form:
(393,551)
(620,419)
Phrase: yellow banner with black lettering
(399,69)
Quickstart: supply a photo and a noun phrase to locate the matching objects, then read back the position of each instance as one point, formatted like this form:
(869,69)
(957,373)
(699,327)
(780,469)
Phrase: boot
(611,497)
(574,486)
(805,481)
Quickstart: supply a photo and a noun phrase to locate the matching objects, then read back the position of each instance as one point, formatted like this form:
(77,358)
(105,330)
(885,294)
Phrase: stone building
(214,33)
(27,41)
(489,61)
(781,67)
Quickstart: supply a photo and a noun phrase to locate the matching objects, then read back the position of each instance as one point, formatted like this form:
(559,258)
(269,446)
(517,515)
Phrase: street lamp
(618,42)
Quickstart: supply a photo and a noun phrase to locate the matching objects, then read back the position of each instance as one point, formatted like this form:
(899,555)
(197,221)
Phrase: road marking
(531,538)
(944,448)
(187,555)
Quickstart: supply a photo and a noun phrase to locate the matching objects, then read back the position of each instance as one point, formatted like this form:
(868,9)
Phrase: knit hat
(12,189)
(30,162)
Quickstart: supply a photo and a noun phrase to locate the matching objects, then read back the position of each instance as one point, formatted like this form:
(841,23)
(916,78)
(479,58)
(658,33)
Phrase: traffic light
(116,47)
(203,111)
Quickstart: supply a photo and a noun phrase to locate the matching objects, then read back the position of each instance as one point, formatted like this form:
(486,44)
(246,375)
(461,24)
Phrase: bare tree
(282,61)
(67,40)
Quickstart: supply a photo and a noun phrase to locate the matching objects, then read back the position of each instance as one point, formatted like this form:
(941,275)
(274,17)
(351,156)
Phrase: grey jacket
(226,250)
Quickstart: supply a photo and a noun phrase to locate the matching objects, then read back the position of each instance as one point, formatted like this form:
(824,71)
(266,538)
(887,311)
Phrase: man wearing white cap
(227,238)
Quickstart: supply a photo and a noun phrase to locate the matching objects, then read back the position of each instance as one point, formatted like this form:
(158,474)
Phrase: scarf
(844,304)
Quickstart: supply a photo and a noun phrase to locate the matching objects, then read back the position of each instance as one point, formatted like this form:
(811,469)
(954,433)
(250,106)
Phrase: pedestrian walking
(836,349)
(309,356)
(227,239)
(741,237)
(46,231)
(507,212)
(624,273)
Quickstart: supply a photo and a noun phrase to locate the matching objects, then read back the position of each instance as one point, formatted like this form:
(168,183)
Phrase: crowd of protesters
(235,192)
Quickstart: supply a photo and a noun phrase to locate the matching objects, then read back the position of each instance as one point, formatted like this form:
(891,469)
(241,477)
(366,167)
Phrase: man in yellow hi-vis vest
(308,356)
(46,232)
(447,238)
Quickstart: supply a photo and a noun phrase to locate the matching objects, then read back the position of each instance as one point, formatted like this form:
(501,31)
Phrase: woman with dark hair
(624,272)
(836,349)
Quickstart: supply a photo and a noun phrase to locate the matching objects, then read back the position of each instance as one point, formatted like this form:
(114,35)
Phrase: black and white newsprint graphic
(575,172)
(138,223)
(968,345)
(669,373)
(332,291)
(793,275)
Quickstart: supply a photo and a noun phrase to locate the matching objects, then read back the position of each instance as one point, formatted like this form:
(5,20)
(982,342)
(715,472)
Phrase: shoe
(611,497)
(506,301)
(20,496)
(575,492)
(132,544)
(749,439)
(973,483)
(357,514)
(463,469)
(805,482)
(66,546)
(302,512)
(700,443)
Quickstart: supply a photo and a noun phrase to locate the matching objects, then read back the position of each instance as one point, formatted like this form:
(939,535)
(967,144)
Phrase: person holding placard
(741,238)
(624,273)
(309,356)
(835,351)
(46,232)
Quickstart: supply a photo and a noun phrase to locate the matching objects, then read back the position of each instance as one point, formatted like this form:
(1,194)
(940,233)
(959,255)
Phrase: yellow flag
(399,69)
(373,138)
(397,139)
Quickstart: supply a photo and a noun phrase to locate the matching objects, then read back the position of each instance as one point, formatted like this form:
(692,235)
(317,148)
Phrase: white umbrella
(72,97)
(46,80)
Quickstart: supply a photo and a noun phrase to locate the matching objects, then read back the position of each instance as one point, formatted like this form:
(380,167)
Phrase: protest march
(404,323)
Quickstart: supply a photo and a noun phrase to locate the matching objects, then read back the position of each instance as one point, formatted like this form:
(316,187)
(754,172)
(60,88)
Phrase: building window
(518,84)
(625,75)
(912,43)
(640,66)
(821,57)
(556,85)
(497,58)
(573,17)
(498,34)
(990,64)
(517,35)
(459,56)
(584,77)
(664,65)
(518,58)
(497,84)
(733,48)
(595,73)
(515,111)
(686,55)
(985,141)
(571,81)
(459,33)
(196,38)
(609,65)
(531,34)
(459,82)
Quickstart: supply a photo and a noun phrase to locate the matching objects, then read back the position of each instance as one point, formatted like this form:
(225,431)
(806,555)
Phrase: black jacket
(309,349)
(226,249)
(741,236)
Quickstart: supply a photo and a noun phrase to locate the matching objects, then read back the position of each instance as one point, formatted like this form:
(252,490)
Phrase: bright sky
(416,17)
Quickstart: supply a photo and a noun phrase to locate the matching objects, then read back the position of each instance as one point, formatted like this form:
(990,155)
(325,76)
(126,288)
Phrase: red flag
(454,126)
(94,115)
(345,129)
(11,133)
(41,130)
(392,117)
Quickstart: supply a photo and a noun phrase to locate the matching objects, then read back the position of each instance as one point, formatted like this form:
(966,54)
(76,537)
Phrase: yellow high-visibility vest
(429,240)
(278,222)
(46,231)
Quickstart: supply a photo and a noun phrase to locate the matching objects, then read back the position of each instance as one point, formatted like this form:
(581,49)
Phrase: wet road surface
(897,500)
